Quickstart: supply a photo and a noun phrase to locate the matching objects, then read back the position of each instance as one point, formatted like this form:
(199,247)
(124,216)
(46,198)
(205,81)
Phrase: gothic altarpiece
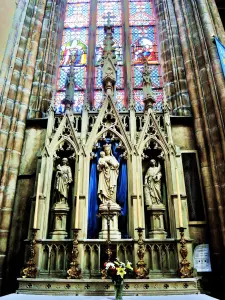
(123,162)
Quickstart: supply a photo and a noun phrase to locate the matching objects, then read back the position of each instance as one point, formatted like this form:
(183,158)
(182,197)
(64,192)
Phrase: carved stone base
(105,287)
(115,210)
(157,223)
(60,211)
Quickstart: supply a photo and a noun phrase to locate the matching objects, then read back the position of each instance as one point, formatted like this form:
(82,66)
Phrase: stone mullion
(40,61)
(89,97)
(202,130)
(17,128)
(90,81)
(128,71)
(126,54)
(166,57)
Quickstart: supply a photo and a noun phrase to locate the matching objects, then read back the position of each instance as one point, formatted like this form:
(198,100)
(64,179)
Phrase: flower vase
(118,290)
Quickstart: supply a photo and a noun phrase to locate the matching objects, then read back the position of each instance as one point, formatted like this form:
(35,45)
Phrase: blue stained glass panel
(141,13)
(77,15)
(119,78)
(119,100)
(117,38)
(139,104)
(143,45)
(80,78)
(109,7)
(78,102)
(137,74)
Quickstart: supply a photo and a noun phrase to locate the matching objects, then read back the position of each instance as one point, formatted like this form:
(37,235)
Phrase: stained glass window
(75,47)
(144,47)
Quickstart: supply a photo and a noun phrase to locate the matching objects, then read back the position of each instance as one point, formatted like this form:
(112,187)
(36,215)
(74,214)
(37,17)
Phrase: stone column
(171,59)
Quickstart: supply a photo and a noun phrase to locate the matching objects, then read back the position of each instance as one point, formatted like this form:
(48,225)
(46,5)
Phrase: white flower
(110,264)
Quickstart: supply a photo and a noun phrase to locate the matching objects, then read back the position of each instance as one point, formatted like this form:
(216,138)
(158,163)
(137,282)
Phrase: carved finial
(70,84)
(109,61)
(147,87)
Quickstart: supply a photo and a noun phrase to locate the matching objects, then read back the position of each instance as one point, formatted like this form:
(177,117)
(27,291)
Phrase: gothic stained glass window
(74,46)
(143,42)
(143,39)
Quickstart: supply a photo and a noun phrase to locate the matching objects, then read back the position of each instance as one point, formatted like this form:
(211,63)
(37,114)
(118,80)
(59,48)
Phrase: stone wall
(7,10)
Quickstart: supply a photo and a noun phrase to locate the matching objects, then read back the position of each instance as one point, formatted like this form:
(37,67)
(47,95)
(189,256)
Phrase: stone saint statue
(147,83)
(63,179)
(152,187)
(70,85)
(108,168)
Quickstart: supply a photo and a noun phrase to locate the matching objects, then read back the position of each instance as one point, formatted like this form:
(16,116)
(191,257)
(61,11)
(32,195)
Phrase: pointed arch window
(83,37)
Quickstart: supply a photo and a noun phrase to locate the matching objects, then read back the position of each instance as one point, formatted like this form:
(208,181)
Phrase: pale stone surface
(44,297)
(6,23)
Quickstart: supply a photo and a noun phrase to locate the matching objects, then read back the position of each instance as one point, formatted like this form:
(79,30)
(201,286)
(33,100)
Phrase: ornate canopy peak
(147,87)
(70,83)
(109,61)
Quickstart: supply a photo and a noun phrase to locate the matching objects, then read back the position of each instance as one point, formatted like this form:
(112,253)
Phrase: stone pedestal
(115,210)
(60,211)
(157,223)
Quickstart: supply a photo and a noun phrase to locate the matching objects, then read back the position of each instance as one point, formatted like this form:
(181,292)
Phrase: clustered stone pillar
(16,96)
(172,61)
(207,94)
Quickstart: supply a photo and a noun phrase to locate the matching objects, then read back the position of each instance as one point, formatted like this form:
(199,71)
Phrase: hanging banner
(221,52)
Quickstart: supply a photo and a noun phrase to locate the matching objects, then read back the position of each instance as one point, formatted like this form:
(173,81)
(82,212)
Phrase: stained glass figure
(143,45)
(143,40)
(74,49)
(74,44)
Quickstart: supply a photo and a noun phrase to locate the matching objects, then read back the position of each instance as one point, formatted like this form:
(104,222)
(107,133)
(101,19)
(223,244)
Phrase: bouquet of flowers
(116,271)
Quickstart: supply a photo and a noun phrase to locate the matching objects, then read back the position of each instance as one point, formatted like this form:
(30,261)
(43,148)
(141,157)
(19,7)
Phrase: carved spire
(70,83)
(109,61)
(147,88)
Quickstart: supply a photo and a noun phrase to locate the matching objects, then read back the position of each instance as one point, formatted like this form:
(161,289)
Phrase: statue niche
(152,184)
(62,182)
(108,169)
(60,208)
(153,200)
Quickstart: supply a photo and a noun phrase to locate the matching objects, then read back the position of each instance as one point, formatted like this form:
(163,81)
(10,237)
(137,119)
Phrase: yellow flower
(128,266)
(121,272)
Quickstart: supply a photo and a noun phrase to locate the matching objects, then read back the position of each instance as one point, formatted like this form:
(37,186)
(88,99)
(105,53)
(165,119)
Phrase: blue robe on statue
(93,200)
